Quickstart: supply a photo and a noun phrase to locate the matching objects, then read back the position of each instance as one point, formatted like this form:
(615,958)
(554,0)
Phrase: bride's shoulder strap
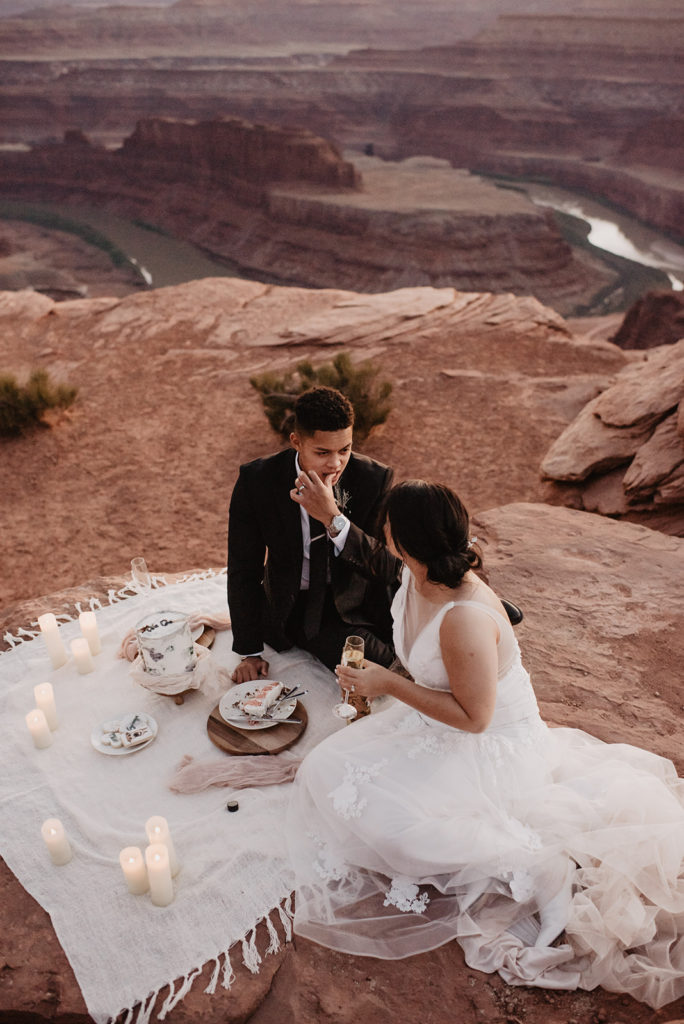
(497,616)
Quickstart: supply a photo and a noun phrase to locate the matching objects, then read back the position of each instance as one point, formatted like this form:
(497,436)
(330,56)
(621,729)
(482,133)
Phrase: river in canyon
(163,260)
(615,232)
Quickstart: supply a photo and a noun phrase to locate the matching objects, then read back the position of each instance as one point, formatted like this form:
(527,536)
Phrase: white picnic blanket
(234,870)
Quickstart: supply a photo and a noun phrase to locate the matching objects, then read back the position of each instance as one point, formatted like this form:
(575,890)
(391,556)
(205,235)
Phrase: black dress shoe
(514,613)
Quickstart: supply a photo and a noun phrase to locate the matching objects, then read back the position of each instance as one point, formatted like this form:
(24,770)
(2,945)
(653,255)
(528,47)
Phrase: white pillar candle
(39,728)
(159,874)
(135,872)
(80,649)
(56,841)
(158,832)
(88,624)
(53,641)
(45,702)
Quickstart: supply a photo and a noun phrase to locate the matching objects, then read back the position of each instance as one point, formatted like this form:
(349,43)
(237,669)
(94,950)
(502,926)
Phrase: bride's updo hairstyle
(429,523)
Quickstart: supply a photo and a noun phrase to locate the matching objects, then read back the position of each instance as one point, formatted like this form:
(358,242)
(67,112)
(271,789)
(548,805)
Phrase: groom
(300,527)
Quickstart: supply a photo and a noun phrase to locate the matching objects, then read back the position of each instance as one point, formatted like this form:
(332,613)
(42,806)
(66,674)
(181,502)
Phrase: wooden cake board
(234,740)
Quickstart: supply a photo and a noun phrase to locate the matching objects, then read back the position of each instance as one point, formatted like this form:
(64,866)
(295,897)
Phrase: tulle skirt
(552,857)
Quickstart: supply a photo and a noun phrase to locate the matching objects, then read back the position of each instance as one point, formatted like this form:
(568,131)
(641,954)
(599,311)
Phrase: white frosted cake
(258,703)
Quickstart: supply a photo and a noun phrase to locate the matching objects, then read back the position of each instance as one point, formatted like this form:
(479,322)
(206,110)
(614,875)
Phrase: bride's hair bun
(429,522)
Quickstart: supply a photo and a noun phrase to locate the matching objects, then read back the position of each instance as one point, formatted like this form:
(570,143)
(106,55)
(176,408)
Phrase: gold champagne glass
(352,657)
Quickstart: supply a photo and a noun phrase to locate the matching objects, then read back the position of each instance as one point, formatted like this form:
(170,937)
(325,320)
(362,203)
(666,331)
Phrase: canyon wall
(286,208)
(226,148)
(587,102)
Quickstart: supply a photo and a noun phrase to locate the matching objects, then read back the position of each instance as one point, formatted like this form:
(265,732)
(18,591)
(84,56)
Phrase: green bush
(22,407)
(370,397)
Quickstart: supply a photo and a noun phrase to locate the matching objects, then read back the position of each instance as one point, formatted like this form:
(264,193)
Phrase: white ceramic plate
(229,706)
(106,748)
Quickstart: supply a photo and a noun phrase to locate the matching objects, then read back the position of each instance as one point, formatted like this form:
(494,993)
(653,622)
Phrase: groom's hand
(249,669)
(316,495)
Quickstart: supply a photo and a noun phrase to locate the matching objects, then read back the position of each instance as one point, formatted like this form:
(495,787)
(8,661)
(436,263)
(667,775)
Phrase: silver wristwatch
(337,525)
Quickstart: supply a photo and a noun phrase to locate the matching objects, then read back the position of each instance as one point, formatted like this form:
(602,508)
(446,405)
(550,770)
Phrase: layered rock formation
(590,101)
(284,206)
(226,149)
(623,456)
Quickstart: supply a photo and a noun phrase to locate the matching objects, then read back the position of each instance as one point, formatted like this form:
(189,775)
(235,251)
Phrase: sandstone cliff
(285,207)
(623,455)
(590,102)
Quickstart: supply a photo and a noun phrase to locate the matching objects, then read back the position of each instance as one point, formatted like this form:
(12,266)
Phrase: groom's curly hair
(322,408)
(431,524)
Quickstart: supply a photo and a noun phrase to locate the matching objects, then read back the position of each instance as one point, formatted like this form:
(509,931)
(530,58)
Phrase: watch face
(338,524)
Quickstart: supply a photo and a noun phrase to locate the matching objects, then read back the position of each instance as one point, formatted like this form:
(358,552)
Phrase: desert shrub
(369,396)
(23,407)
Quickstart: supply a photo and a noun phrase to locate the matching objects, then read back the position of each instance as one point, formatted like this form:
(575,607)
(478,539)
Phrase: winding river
(615,232)
(163,260)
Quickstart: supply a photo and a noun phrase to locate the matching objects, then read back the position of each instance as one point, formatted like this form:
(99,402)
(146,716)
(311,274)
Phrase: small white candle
(88,624)
(159,874)
(135,872)
(39,728)
(56,841)
(45,702)
(158,832)
(53,641)
(80,649)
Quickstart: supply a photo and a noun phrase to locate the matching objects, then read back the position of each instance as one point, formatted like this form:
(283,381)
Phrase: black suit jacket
(265,551)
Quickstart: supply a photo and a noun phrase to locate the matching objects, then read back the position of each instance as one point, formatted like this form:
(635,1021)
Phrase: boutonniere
(342,498)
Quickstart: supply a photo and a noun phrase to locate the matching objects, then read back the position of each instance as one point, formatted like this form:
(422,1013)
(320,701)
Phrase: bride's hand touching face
(371,681)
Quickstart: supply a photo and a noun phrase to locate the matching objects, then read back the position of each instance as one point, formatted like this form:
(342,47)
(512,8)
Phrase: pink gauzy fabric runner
(239,773)
(234,870)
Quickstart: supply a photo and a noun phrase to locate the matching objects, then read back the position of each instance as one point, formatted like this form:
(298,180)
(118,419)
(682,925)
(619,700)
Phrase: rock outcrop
(623,456)
(655,319)
(285,207)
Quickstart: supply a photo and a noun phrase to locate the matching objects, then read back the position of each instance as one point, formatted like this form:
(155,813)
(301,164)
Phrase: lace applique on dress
(347,801)
(433,743)
(328,865)
(403,894)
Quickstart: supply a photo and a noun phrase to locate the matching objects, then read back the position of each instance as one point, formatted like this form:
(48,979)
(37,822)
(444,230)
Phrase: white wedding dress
(554,858)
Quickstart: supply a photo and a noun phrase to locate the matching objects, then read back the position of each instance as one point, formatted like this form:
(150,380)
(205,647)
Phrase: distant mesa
(226,148)
(285,207)
(589,99)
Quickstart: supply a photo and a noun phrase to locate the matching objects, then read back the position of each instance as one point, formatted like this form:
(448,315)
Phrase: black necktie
(318,578)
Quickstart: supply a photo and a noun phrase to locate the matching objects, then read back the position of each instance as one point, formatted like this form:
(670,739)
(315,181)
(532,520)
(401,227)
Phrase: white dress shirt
(338,541)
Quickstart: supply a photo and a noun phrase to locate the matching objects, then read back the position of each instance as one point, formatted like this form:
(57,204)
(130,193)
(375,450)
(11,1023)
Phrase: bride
(552,857)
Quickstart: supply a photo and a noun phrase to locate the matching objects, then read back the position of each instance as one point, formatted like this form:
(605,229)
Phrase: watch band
(337,524)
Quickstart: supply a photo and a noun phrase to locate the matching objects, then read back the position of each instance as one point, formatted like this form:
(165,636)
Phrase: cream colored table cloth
(234,871)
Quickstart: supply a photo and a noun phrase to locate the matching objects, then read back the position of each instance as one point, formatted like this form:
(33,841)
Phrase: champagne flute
(352,657)
(140,574)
